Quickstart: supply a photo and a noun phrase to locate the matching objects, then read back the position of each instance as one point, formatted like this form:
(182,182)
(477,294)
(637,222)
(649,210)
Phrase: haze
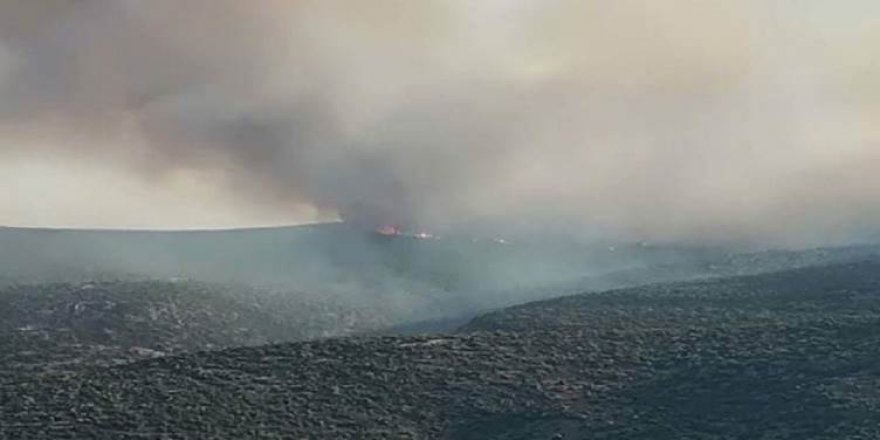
(662,120)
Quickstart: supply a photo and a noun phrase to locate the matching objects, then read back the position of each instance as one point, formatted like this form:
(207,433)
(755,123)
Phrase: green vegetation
(788,355)
(64,325)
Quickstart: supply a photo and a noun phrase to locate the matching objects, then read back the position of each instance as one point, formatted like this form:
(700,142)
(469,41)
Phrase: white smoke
(655,119)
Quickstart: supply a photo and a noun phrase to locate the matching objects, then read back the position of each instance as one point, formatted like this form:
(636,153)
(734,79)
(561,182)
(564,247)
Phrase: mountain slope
(61,325)
(805,293)
(403,280)
(790,355)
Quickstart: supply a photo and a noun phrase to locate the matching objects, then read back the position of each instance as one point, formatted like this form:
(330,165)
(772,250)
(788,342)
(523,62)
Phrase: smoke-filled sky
(684,119)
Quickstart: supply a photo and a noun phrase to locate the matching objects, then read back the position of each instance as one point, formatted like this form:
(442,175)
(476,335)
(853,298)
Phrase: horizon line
(169,229)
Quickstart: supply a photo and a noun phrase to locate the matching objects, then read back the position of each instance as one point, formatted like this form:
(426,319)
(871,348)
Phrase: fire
(394,231)
(389,230)
(397,231)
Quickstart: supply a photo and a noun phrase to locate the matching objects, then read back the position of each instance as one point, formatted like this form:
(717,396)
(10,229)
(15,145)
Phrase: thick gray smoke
(653,119)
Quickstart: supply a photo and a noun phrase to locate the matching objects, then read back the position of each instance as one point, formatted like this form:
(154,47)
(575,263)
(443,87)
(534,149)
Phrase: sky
(648,119)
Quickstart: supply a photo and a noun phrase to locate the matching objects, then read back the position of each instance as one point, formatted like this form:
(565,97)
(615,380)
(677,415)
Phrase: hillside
(787,355)
(406,282)
(64,325)
(407,278)
(817,292)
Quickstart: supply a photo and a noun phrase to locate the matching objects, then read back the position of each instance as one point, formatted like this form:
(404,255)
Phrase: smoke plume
(687,119)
